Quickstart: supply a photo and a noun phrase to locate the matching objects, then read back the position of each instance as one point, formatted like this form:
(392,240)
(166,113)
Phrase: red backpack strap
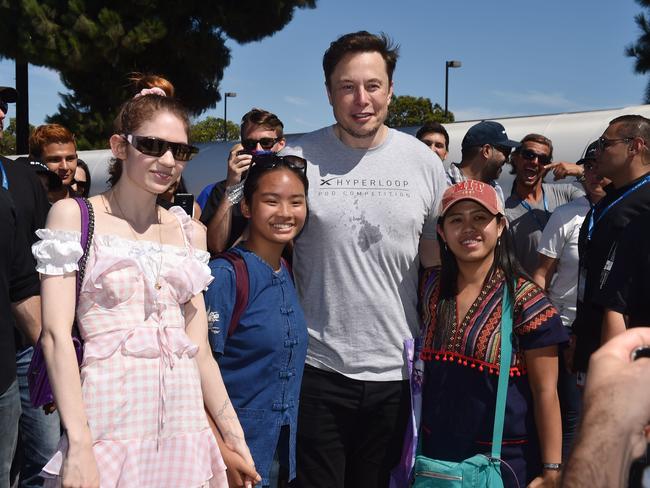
(241,287)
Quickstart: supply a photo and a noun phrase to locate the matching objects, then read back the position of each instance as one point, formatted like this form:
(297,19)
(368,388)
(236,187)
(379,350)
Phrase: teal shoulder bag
(480,470)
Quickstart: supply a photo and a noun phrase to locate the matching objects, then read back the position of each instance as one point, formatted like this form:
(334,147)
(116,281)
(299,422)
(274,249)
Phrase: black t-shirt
(31,207)
(237,223)
(594,255)
(627,288)
(18,280)
(29,197)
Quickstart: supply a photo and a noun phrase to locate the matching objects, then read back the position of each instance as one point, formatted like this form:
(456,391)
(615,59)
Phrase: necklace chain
(157,285)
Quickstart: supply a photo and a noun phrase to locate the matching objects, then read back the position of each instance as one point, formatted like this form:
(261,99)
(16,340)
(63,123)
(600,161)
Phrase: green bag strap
(504,370)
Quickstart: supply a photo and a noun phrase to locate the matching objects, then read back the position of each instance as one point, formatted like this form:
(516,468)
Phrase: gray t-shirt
(356,261)
(526,225)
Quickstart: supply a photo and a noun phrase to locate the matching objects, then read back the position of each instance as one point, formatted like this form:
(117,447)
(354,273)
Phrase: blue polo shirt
(262,362)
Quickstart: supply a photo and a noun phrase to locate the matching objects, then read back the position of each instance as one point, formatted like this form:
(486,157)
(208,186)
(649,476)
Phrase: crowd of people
(330,312)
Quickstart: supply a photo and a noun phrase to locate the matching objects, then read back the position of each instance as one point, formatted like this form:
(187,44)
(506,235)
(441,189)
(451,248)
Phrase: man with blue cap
(485,149)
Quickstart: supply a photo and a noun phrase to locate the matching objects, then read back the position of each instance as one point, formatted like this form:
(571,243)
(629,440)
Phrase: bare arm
(545,270)
(429,252)
(27,313)
(58,309)
(215,395)
(613,325)
(220,223)
(616,412)
(542,366)
(562,170)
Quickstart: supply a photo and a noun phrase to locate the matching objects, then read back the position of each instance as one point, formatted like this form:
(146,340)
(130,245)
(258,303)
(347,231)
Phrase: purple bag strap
(87,229)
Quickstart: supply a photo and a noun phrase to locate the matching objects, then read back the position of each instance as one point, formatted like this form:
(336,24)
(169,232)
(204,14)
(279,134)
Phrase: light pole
(449,64)
(225,113)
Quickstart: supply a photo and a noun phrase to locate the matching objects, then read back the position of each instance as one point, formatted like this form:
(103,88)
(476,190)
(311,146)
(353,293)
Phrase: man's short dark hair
(261,118)
(360,42)
(435,128)
(634,126)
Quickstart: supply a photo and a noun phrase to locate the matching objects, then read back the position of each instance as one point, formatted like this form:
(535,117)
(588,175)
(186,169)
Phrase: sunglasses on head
(530,155)
(265,142)
(270,161)
(152,146)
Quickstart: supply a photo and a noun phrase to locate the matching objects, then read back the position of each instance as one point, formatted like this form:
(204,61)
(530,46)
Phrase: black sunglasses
(4,106)
(266,143)
(529,155)
(270,161)
(152,146)
(604,143)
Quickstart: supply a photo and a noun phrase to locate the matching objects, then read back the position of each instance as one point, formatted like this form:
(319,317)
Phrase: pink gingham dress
(140,382)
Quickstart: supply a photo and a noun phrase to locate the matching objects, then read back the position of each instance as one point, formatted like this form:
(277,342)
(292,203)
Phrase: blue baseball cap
(488,132)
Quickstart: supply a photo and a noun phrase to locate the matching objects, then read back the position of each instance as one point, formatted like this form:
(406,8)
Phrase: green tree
(8,138)
(640,50)
(95,44)
(406,111)
(211,129)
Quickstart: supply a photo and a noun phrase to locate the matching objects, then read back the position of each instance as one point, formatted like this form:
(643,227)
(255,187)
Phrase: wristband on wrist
(235,193)
(552,466)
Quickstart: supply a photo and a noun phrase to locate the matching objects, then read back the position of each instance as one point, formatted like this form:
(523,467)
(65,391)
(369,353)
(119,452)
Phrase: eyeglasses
(270,161)
(266,143)
(530,155)
(152,146)
(604,143)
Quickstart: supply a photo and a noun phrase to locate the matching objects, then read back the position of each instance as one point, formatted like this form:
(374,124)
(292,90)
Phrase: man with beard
(485,150)
(373,201)
(532,201)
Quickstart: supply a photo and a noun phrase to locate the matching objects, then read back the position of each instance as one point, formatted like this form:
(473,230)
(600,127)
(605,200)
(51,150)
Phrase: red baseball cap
(477,191)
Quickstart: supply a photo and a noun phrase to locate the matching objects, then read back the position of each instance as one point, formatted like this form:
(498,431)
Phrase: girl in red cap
(461,304)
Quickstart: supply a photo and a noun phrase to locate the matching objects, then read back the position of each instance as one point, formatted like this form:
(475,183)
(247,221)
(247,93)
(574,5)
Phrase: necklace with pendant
(157,284)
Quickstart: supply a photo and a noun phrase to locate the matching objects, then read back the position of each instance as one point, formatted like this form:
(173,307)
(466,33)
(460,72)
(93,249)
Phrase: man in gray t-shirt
(532,201)
(373,198)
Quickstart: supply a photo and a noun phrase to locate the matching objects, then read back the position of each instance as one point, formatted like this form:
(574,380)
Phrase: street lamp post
(225,113)
(449,64)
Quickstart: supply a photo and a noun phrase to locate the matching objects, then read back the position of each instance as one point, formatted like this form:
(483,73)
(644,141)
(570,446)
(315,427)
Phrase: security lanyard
(527,206)
(592,223)
(5,181)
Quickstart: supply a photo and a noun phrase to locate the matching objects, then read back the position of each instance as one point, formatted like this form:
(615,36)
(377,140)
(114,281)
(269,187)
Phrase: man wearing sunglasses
(614,240)
(373,201)
(260,131)
(532,201)
(485,149)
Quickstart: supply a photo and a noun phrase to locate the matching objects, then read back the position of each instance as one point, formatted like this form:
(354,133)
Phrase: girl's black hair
(256,172)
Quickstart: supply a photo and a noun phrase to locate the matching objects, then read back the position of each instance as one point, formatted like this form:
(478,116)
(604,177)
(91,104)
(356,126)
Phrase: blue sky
(519,57)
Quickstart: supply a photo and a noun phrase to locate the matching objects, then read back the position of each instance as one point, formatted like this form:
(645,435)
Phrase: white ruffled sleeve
(202,256)
(58,251)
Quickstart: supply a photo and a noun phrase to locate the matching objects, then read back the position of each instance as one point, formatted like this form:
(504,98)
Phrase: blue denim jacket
(263,361)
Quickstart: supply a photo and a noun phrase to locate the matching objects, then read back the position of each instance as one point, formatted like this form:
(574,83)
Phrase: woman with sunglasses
(461,311)
(261,350)
(82,181)
(134,415)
